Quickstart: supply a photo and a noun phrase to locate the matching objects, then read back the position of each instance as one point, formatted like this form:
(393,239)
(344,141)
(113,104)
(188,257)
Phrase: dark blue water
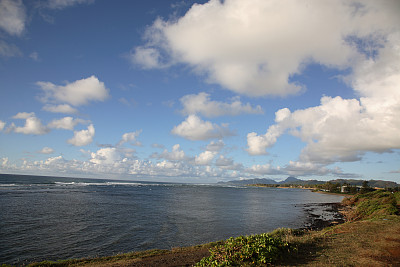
(58,218)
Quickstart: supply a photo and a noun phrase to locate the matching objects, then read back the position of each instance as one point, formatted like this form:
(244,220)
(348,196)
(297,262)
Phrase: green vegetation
(373,204)
(247,250)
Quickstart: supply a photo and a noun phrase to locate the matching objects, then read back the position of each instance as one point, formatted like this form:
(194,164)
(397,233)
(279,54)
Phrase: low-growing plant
(373,204)
(247,250)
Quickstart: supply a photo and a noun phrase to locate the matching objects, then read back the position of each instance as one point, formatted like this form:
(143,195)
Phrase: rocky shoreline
(322,215)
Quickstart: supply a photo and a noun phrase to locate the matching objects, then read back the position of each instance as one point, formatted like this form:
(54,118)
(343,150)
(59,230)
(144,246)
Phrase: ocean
(51,218)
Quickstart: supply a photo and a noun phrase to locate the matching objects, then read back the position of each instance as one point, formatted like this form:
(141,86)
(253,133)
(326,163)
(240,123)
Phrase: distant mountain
(251,181)
(291,180)
(294,180)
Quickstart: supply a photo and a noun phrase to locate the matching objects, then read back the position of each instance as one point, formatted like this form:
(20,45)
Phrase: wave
(97,184)
(7,185)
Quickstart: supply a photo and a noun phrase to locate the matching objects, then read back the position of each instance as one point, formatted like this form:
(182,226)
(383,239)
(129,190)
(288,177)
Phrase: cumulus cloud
(12,16)
(148,58)
(257,144)
(338,130)
(205,158)
(77,93)
(46,150)
(193,128)
(109,155)
(83,137)
(33,125)
(202,104)
(130,137)
(62,108)
(252,48)
(177,154)
(2,125)
(345,129)
(66,123)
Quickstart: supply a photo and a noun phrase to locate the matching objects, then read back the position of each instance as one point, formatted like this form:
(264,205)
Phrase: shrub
(248,250)
(374,204)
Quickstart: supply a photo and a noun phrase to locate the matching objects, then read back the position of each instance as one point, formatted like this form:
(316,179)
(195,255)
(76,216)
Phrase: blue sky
(200,91)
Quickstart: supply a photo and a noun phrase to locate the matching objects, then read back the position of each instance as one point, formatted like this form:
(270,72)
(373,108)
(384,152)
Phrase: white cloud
(251,47)
(66,123)
(46,150)
(266,169)
(77,93)
(9,50)
(83,137)
(63,108)
(345,129)
(109,155)
(257,144)
(193,128)
(54,160)
(130,137)
(177,154)
(32,124)
(2,125)
(296,168)
(23,115)
(205,158)
(4,162)
(12,16)
(201,103)
(148,58)
(60,4)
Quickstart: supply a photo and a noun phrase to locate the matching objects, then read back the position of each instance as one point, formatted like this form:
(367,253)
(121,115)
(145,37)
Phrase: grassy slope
(370,238)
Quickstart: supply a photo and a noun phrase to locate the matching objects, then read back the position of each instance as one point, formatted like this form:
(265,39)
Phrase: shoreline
(323,215)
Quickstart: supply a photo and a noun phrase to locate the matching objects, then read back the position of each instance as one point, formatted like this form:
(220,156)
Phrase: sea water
(51,218)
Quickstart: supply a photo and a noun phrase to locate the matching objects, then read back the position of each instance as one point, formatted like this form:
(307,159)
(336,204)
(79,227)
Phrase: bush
(374,204)
(248,250)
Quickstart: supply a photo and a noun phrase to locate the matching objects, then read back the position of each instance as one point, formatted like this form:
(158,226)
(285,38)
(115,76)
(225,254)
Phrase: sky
(200,91)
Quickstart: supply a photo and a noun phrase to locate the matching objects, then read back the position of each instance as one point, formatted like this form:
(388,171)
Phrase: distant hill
(251,181)
(291,180)
(371,183)
(294,180)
